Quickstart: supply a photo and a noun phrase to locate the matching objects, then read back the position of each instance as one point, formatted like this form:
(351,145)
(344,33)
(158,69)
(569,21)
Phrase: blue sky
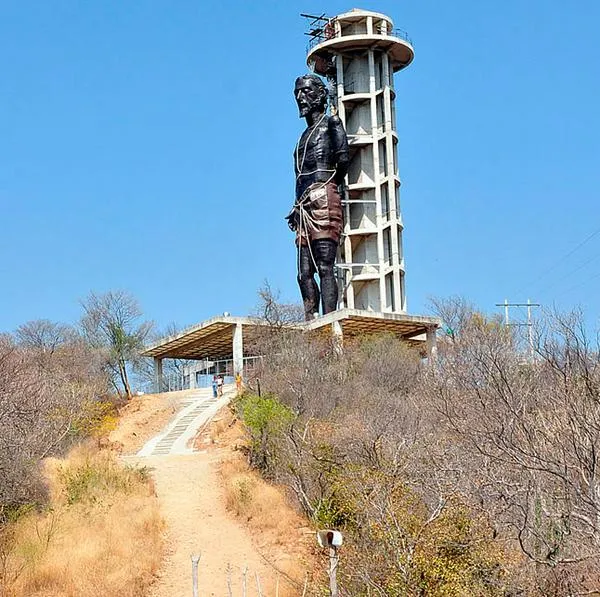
(147,146)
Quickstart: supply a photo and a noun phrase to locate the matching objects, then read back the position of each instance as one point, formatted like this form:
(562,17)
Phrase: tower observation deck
(359,52)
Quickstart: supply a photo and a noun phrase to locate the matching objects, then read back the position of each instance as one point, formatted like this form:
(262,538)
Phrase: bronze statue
(321,162)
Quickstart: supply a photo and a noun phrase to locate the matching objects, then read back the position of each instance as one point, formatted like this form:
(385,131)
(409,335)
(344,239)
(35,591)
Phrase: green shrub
(93,477)
(265,419)
(331,513)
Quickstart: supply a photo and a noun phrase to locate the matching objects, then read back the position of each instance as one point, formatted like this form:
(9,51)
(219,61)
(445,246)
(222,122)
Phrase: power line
(564,258)
(583,283)
(553,284)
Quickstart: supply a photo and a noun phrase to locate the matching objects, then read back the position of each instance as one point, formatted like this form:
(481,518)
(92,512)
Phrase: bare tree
(46,400)
(529,436)
(112,324)
(274,312)
(455,312)
(43,335)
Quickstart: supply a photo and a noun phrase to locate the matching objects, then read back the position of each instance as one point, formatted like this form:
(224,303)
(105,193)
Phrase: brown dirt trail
(192,496)
(193,504)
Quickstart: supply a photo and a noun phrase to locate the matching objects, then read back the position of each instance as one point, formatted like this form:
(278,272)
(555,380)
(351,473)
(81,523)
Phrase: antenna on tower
(316,25)
(321,28)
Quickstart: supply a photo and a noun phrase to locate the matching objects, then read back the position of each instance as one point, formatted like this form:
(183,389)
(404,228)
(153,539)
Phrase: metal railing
(319,38)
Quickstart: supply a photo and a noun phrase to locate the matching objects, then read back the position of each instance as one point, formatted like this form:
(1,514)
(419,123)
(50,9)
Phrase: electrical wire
(581,284)
(553,267)
(554,284)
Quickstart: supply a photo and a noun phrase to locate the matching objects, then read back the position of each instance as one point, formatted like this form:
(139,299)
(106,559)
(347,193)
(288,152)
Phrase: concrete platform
(224,337)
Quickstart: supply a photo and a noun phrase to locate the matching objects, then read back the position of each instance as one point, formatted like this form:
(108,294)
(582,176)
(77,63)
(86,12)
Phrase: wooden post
(333,564)
(229,591)
(195,560)
(244,587)
(258,587)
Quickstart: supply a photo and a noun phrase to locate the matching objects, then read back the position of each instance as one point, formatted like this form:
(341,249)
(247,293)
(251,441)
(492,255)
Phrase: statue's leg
(308,285)
(325,251)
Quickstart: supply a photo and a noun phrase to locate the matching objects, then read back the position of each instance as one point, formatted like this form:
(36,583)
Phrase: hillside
(200,494)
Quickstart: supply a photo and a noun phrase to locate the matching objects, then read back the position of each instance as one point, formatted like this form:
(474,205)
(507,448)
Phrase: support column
(238,350)
(192,374)
(158,375)
(338,337)
(431,344)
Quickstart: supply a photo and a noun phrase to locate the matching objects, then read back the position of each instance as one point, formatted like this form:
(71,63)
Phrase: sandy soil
(192,495)
(144,417)
(193,504)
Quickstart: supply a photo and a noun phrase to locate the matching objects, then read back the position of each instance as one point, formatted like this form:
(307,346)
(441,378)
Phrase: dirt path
(193,505)
(193,502)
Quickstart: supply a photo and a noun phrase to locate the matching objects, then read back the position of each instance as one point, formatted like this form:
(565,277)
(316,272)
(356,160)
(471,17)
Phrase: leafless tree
(43,335)
(455,312)
(530,432)
(43,397)
(112,324)
(274,312)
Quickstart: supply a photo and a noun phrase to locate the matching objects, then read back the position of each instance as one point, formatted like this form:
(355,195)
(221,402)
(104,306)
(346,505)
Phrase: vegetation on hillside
(101,535)
(58,386)
(473,475)
(61,386)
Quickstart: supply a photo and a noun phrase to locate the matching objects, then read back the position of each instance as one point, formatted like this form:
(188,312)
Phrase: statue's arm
(339,146)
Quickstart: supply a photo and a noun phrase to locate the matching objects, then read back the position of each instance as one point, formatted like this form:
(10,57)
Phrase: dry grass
(283,536)
(101,537)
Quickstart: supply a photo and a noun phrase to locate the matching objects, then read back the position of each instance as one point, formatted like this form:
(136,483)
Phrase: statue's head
(311,94)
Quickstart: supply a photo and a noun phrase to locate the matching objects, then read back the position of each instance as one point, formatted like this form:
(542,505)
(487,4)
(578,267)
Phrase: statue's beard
(308,108)
(304,110)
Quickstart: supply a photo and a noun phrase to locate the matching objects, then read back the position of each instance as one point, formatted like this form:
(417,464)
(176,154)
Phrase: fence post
(229,591)
(333,565)
(332,540)
(195,560)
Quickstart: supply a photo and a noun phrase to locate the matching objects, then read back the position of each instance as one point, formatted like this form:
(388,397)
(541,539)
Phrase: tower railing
(327,34)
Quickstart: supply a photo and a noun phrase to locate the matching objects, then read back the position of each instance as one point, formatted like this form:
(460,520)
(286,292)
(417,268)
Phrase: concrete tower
(359,52)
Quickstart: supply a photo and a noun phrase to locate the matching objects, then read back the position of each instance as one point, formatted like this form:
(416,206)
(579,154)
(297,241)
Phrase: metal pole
(333,564)
(195,560)
(506,311)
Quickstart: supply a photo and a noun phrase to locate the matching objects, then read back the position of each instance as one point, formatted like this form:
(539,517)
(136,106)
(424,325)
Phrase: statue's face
(309,96)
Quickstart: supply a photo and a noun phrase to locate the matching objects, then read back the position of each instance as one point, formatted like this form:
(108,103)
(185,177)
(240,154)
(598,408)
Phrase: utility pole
(529,323)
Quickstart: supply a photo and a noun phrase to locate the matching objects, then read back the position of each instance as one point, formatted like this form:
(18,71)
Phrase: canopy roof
(213,338)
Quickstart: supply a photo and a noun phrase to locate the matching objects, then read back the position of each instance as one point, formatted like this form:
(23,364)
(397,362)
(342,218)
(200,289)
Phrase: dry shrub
(362,454)
(284,540)
(50,389)
(525,435)
(101,537)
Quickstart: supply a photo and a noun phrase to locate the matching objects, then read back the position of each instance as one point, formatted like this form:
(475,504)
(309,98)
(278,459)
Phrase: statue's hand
(292,220)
